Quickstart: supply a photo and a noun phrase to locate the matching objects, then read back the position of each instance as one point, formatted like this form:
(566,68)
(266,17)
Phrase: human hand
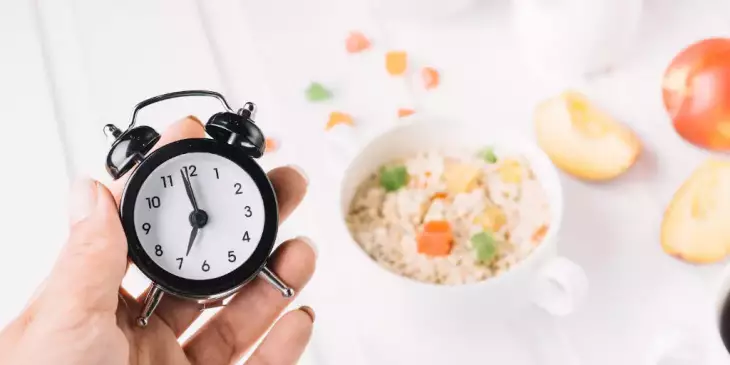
(81,316)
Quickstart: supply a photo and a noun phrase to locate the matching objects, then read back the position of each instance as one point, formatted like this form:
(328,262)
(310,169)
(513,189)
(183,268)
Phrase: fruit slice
(695,226)
(582,140)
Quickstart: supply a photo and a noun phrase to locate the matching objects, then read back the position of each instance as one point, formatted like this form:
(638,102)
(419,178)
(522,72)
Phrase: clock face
(228,195)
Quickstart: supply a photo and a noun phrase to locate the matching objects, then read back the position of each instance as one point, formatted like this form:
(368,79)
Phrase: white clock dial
(224,191)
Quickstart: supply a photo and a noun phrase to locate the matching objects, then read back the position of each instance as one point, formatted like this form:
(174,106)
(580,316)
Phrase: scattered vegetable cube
(485,246)
(404,112)
(493,218)
(357,42)
(271,145)
(539,234)
(488,155)
(396,62)
(337,118)
(393,178)
(317,92)
(510,171)
(460,177)
(436,239)
(430,77)
(439,195)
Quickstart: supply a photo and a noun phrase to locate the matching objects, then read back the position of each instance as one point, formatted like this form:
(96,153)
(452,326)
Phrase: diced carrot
(357,42)
(396,62)
(539,234)
(271,145)
(339,118)
(439,195)
(430,77)
(404,112)
(436,239)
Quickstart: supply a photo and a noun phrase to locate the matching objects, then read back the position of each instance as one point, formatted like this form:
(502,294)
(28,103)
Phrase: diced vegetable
(271,145)
(460,177)
(356,42)
(393,178)
(337,118)
(439,195)
(317,92)
(488,155)
(404,112)
(396,62)
(539,234)
(436,239)
(493,219)
(510,171)
(430,77)
(485,246)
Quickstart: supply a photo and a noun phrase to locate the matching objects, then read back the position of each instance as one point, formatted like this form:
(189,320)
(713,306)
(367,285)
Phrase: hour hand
(189,190)
(193,234)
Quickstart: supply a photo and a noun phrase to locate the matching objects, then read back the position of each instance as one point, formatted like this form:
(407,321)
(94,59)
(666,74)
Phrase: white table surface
(70,66)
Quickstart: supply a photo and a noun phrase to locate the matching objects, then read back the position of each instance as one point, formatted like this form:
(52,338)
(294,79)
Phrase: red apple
(696,92)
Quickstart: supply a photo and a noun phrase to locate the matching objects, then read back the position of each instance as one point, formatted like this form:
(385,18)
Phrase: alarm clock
(200,215)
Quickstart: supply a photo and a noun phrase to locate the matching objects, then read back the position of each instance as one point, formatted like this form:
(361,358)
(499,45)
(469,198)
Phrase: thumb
(91,266)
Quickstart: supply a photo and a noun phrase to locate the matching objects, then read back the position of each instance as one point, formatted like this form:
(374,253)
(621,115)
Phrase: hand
(80,315)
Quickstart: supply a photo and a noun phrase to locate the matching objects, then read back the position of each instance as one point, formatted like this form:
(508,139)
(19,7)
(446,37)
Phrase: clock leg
(150,304)
(274,280)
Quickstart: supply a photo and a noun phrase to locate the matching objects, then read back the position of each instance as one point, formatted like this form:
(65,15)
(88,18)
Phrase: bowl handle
(560,287)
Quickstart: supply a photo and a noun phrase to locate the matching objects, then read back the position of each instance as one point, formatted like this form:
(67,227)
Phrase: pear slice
(696,225)
(582,140)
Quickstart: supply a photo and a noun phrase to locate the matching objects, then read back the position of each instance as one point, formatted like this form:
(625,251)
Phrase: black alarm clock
(200,215)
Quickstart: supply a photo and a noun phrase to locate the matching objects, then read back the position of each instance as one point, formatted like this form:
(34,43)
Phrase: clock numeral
(190,170)
(146,228)
(180,259)
(238,188)
(158,250)
(153,202)
(216,173)
(248,212)
(231,256)
(246,237)
(166,181)
(205,267)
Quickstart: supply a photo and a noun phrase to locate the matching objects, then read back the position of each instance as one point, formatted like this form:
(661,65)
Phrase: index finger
(189,127)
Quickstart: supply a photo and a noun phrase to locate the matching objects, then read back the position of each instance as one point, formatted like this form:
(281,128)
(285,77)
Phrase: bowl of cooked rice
(436,208)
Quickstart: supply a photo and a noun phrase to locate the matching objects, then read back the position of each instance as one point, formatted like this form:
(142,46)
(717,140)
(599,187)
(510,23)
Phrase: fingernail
(311,244)
(301,172)
(308,310)
(83,199)
(194,118)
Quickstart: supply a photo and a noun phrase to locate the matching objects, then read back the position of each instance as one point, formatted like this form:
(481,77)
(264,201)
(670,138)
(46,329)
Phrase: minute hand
(189,190)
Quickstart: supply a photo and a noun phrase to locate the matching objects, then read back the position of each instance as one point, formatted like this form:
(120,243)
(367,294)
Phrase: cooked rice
(386,224)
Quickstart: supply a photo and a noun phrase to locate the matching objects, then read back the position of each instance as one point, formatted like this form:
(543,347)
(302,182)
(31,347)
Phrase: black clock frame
(200,289)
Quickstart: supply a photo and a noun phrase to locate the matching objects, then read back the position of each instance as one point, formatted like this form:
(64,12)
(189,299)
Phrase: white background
(70,66)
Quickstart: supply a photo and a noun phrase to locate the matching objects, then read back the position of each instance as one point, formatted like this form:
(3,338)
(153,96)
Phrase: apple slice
(582,140)
(696,225)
